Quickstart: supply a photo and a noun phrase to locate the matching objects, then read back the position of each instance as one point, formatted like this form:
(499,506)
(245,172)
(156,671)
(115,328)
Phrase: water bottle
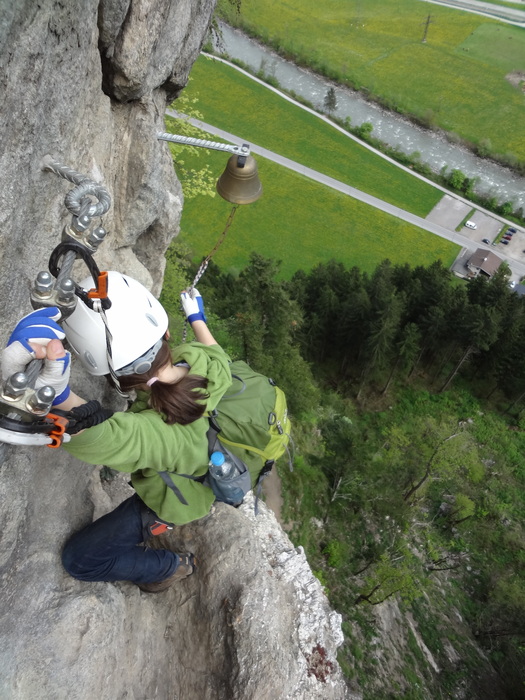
(220,467)
(224,481)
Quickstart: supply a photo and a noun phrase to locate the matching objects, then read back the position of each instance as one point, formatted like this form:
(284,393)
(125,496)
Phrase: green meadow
(231,101)
(457,80)
(297,220)
(302,223)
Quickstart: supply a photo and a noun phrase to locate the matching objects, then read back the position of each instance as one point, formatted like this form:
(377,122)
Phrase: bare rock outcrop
(253,623)
(87,82)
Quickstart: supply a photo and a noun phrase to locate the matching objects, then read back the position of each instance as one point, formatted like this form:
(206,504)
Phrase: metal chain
(205,262)
(207,259)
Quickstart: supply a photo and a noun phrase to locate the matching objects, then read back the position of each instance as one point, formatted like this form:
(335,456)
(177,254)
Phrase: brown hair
(182,402)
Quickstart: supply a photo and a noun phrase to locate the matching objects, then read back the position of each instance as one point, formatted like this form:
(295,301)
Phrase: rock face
(87,81)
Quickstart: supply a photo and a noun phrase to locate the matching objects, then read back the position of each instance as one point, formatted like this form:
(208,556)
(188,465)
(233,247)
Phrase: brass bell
(239,183)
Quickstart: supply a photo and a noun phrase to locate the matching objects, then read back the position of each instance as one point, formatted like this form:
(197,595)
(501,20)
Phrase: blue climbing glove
(38,327)
(193,306)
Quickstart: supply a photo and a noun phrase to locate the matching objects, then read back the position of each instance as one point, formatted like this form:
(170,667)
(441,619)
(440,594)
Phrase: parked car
(511,230)
(486,240)
(512,284)
(507,238)
(505,242)
(470,224)
(509,235)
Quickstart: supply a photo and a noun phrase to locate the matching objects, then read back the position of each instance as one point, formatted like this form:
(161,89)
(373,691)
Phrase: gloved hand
(39,327)
(193,308)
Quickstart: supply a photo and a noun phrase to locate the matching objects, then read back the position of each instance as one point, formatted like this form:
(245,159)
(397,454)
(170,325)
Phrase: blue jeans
(112,549)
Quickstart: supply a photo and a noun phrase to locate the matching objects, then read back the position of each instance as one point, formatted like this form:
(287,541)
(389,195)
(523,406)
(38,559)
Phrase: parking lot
(515,247)
(487,227)
(449,212)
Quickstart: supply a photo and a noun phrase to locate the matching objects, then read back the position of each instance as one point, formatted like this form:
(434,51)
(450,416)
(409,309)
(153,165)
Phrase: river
(390,127)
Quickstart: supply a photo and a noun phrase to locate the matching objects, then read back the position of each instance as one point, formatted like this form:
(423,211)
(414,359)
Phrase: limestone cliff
(87,82)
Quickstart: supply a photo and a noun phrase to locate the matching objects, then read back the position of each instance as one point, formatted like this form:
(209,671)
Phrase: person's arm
(193,307)
(202,333)
(72,401)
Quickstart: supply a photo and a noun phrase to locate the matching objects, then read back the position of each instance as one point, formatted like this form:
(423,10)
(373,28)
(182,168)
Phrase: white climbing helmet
(136,320)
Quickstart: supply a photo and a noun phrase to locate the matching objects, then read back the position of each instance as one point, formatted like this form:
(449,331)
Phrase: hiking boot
(186,567)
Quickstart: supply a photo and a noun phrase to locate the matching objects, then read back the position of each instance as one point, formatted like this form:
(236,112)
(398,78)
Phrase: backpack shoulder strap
(212,432)
(248,448)
(243,388)
(169,483)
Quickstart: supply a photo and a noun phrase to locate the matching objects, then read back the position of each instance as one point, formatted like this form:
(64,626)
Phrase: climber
(164,447)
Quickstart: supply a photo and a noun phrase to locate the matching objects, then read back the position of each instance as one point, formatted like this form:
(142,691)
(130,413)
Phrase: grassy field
(302,223)
(262,117)
(456,80)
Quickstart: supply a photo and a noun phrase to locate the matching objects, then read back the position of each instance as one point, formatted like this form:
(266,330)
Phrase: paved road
(509,15)
(454,236)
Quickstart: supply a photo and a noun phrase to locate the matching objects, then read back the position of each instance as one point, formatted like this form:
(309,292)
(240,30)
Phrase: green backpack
(251,425)
(252,421)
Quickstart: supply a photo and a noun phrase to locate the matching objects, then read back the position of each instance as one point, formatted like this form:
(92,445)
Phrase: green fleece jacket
(143,444)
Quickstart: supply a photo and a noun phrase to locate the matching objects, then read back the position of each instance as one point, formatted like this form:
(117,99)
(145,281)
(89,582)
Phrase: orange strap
(158,528)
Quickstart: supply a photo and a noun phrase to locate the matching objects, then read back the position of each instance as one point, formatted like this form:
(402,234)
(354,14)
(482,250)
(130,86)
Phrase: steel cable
(85,187)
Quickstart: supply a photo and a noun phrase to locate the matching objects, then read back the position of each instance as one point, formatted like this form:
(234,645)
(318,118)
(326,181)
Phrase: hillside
(408,485)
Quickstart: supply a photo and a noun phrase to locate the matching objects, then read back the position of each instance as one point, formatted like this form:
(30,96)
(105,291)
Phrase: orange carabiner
(101,290)
(57,434)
